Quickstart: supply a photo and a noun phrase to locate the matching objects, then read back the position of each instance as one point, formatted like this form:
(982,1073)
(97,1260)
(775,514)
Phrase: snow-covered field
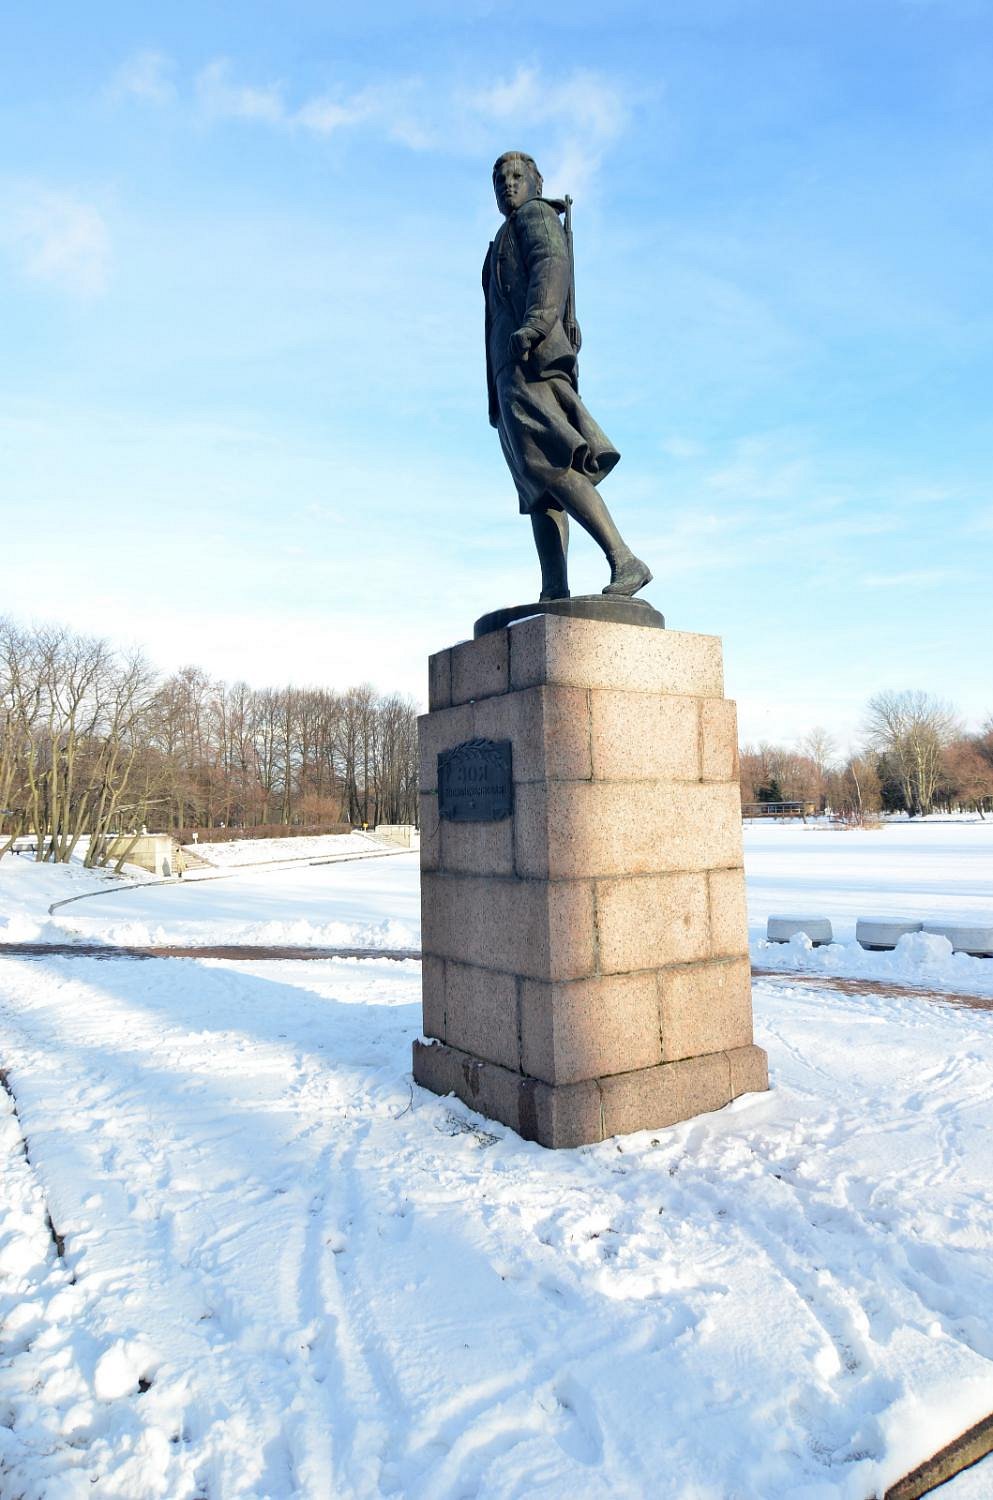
(289,1273)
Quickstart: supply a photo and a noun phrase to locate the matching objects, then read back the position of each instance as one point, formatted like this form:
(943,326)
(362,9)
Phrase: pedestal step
(580,1114)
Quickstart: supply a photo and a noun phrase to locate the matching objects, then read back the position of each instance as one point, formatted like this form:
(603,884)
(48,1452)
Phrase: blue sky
(243,417)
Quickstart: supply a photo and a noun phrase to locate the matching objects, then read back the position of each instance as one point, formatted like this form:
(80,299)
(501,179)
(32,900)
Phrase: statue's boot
(545,597)
(628,577)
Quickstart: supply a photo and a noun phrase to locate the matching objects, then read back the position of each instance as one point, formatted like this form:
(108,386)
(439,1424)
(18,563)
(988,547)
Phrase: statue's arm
(493,402)
(546,257)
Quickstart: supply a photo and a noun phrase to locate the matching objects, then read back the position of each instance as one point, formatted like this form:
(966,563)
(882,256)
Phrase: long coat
(544,428)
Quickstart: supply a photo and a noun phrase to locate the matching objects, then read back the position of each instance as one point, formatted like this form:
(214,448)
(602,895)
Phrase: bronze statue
(554,449)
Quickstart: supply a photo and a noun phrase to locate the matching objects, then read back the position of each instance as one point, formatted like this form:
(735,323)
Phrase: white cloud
(146,75)
(581,115)
(324,115)
(583,102)
(55,237)
(576,118)
(221,98)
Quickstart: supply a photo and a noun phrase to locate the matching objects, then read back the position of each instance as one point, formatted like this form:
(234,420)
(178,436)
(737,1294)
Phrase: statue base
(611,608)
(585,945)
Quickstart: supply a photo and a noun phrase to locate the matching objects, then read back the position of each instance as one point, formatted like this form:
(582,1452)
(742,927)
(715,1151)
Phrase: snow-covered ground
(370,903)
(27,889)
(373,903)
(236,852)
(289,1273)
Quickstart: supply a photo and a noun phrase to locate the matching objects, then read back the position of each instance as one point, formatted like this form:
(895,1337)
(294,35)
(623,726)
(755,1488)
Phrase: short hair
(529,163)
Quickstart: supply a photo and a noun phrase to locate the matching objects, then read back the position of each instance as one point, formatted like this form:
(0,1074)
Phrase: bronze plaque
(475,782)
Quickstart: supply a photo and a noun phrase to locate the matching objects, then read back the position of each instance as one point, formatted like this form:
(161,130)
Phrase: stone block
(644,737)
(553,1117)
(480,668)
(705,1007)
(484,1086)
(433,996)
(439,731)
(430,827)
(618,828)
(524,927)
(749,1070)
(548,728)
(654,1098)
(589,1028)
(702,1084)
(728,913)
(478,848)
(440,680)
(645,922)
(719,740)
(595,654)
(531,830)
(644,1100)
(481,1014)
(435,1066)
(560,1117)
(571,934)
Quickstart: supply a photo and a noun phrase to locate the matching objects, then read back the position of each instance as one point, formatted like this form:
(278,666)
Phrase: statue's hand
(523,341)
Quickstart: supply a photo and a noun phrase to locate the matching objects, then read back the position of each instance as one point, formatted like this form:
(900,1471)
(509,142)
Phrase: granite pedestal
(585,966)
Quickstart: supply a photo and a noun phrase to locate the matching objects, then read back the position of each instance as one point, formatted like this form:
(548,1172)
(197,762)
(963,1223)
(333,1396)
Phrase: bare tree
(820,750)
(854,791)
(912,729)
(968,774)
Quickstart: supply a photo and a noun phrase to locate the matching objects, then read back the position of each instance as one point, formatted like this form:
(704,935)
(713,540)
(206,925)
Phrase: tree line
(94,742)
(914,756)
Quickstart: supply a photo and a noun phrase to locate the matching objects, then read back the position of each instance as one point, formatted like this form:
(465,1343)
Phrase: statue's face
(513,185)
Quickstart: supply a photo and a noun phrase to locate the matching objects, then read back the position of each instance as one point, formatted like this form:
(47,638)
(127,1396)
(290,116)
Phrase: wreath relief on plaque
(475,782)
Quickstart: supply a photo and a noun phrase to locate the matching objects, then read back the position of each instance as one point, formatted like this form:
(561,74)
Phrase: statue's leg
(580,499)
(551,537)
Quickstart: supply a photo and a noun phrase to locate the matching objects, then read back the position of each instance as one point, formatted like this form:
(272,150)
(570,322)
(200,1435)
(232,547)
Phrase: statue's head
(515,179)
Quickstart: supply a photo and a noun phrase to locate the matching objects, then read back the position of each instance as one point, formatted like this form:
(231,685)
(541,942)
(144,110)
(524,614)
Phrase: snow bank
(924,959)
